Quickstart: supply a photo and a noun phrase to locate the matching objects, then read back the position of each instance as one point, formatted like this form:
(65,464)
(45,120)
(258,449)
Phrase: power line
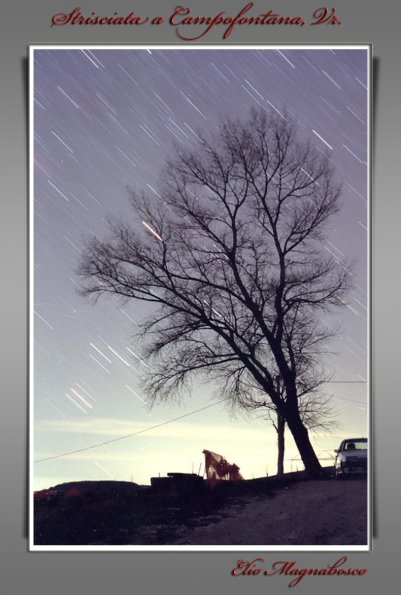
(350,400)
(164,423)
(169,421)
(345,382)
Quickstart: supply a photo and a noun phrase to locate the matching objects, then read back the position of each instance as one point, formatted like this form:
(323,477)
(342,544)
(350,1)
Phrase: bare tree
(231,256)
(315,409)
(317,414)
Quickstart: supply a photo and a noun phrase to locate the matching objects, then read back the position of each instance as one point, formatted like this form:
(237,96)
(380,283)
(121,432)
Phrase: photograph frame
(285,547)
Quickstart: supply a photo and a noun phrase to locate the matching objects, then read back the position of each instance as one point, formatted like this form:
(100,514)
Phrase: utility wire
(345,382)
(169,421)
(350,400)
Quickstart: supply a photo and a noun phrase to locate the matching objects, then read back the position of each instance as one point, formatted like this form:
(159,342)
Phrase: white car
(352,457)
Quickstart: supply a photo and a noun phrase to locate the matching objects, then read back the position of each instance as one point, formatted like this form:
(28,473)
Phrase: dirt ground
(289,513)
(305,513)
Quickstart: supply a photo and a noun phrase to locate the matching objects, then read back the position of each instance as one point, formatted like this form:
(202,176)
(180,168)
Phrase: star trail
(105,121)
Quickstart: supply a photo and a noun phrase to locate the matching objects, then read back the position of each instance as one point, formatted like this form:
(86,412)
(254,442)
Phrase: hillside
(258,512)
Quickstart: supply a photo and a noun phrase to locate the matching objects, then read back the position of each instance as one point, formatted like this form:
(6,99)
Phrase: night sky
(105,120)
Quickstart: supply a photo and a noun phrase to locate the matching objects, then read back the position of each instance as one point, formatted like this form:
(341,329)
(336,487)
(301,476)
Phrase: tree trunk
(305,448)
(280,444)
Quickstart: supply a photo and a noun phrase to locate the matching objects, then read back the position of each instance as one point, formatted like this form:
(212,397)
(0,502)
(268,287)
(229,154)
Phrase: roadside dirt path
(307,513)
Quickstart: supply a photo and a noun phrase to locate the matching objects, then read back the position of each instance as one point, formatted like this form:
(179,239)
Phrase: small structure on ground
(218,468)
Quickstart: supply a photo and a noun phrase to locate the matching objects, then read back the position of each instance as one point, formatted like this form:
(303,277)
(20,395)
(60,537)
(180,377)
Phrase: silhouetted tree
(316,412)
(231,254)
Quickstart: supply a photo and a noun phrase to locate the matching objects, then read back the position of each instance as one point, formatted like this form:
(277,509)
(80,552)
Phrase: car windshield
(355,445)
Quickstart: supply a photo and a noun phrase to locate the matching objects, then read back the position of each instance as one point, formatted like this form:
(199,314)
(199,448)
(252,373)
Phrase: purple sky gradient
(105,120)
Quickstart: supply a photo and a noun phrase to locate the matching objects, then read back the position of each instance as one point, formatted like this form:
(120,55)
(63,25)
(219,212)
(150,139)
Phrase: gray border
(164,548)
(362,21)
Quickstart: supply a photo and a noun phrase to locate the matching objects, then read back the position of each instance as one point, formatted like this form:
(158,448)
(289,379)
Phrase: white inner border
(186,548)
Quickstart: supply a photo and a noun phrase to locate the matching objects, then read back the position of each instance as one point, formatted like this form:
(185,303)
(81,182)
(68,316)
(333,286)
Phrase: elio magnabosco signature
(293,571)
